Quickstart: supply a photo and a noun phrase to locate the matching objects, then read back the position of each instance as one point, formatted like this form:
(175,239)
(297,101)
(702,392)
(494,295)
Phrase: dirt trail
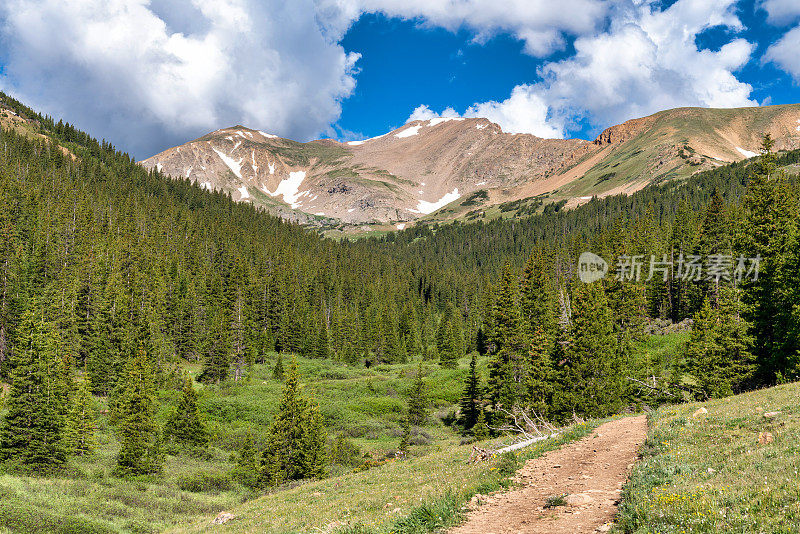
(591,471)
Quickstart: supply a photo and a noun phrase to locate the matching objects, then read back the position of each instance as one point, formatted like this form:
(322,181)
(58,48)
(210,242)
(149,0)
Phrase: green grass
(364,404)
(421,494)
(709,474)
(661,352)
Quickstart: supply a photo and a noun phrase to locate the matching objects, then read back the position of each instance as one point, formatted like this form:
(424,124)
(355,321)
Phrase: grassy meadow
(366,405)
(710,473)
(420,494)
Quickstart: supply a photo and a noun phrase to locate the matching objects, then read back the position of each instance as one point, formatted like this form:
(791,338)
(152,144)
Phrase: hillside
(732,469)
(468,165)
(116,280)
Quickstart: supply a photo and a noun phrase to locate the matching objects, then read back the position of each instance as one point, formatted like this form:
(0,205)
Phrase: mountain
(468,165)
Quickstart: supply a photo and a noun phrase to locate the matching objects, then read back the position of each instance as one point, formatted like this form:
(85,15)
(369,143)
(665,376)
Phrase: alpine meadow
(476,322)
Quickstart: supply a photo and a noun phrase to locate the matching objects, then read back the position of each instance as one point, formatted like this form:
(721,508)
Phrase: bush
(25,518)
(344,452)
(205,482)
(555,500)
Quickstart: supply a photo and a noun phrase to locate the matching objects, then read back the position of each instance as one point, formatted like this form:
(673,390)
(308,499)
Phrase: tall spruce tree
(536,302)
(591,378)
(539,382)
(184,426)
(470,403)
(81,422)
(32,432)
(717,354)
(296,440)
(770,210)
(139,435)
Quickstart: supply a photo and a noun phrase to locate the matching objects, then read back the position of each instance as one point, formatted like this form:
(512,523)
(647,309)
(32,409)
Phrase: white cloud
(781,11)
(525,111)
(152,74)
(647,60)
(786,53)
(540,24)
(424,113)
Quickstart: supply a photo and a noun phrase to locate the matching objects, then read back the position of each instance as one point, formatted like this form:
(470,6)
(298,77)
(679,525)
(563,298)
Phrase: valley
(174,356)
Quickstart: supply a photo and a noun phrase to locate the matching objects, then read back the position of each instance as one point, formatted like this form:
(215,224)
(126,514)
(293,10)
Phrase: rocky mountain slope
(468,165)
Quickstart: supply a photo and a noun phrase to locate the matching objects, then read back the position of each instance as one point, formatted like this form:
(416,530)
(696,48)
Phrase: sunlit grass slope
(710,473)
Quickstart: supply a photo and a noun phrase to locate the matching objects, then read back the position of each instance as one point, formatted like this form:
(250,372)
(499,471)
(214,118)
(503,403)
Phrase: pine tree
(405,438)
(591,380)
(418,400)
(140,450)
(32,431)
(717,353)
(277,371)
(81,421)
(481,430)
(470,403)
(296,440)
(248,465)
(217,366)
(769,209)
(184,426)
(539,380)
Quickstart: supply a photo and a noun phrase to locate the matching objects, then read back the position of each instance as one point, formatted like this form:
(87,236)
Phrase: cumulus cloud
(150,74)
(781,12)
(645,61)
(784,53)
(540,24)
(525,111)
(424,113)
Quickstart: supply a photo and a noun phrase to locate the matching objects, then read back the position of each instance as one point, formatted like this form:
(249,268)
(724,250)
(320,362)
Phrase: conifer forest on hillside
(173,353)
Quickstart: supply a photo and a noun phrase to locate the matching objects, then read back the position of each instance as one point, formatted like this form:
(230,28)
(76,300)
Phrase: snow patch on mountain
(746,153)
(233,165)
(289,188)
(426,207)
(408,132)
(243,191)
(268,135)
(481,126)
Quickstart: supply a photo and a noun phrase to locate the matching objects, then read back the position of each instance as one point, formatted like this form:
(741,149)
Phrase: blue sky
(150,74)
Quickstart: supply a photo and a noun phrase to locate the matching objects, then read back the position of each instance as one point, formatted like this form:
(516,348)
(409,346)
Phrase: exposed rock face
(465,164)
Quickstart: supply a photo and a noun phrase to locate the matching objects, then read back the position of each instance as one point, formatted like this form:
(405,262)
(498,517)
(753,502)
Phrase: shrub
(205,482)
(555,500)
(344,452)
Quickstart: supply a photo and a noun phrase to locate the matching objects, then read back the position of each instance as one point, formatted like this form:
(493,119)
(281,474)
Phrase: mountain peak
(443,168)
